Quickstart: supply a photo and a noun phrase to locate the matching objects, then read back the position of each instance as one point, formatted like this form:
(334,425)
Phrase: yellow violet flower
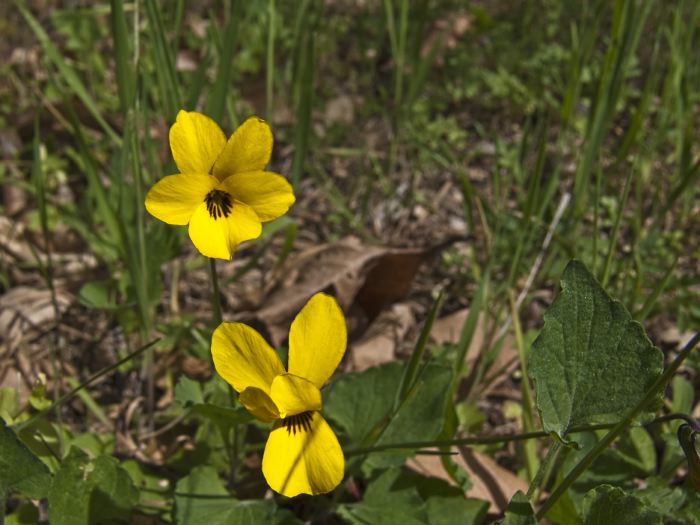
(222,190)
(302,454)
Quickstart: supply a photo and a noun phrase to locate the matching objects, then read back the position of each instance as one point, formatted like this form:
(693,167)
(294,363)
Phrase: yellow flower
(222,190)
(302,454)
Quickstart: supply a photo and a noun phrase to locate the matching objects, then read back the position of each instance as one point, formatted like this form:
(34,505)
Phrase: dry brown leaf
(490,481)
(448,329)
(365,279)
(24,310)
(384,335)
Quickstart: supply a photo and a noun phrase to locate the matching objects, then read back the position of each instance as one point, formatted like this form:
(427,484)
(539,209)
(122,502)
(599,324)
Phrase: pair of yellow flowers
(224,194)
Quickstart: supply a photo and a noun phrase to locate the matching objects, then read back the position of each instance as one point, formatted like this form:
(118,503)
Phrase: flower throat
(299,422)
(218,203)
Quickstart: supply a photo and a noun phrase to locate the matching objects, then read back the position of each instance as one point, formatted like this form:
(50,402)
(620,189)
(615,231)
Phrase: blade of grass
(530,450)
(470,323)
(104,209)
(621,206)
(124,70)
(304,81)
(628,21)
(67,73)
(216,103)
(166,73)
(39,180)
(410,371)
(646,308)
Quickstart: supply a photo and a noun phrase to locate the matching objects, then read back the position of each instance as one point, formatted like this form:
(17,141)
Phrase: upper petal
(269,194)
(317,339)
(173,199)
(294,395)
(196,141)
(307,461)
(258,403)
(248,149)
(243,358)
(218,236)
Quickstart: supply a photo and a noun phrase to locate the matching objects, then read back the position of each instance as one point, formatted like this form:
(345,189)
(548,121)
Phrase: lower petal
(303,459)
(209,235)
(218,237)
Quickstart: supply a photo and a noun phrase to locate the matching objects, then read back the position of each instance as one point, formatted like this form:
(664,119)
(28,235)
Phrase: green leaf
(101,295)
(188,392)
(419,418)
(564,512)
(615,466)
(376,387)
(591,362)
(607,504)
(20,469)
(25,514)
(86,491)
(200,498)
(519,511)
(683,395)
(449,510)
(8,403)
(659,497)
(401,497)
(222,416)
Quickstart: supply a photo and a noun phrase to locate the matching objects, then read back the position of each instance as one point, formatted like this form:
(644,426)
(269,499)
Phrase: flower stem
(475,440)
(616,430)
(216,292)
(543,471)
(503,438)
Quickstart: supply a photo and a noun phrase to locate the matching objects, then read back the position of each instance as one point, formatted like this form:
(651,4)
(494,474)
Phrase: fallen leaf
(490,481)
(24,310)
(364,279)
(448,330)
(379,344)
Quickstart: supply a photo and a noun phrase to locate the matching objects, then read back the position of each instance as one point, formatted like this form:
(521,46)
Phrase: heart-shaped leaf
(591,362)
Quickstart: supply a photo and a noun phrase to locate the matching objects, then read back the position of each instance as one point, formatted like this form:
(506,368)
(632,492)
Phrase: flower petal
(269,194)
(317,339)
(196,141)
(248,149)
(258,403)
(294,395)
(309,461)
(218,237)
(243,358)
(173,199)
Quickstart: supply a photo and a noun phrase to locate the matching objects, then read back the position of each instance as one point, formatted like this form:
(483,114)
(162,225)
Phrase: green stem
(477,440)
(216,292)
(605,442)
(544,470)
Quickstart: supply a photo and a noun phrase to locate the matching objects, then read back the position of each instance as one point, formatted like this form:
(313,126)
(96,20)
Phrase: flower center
(218,203)
(299,422)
